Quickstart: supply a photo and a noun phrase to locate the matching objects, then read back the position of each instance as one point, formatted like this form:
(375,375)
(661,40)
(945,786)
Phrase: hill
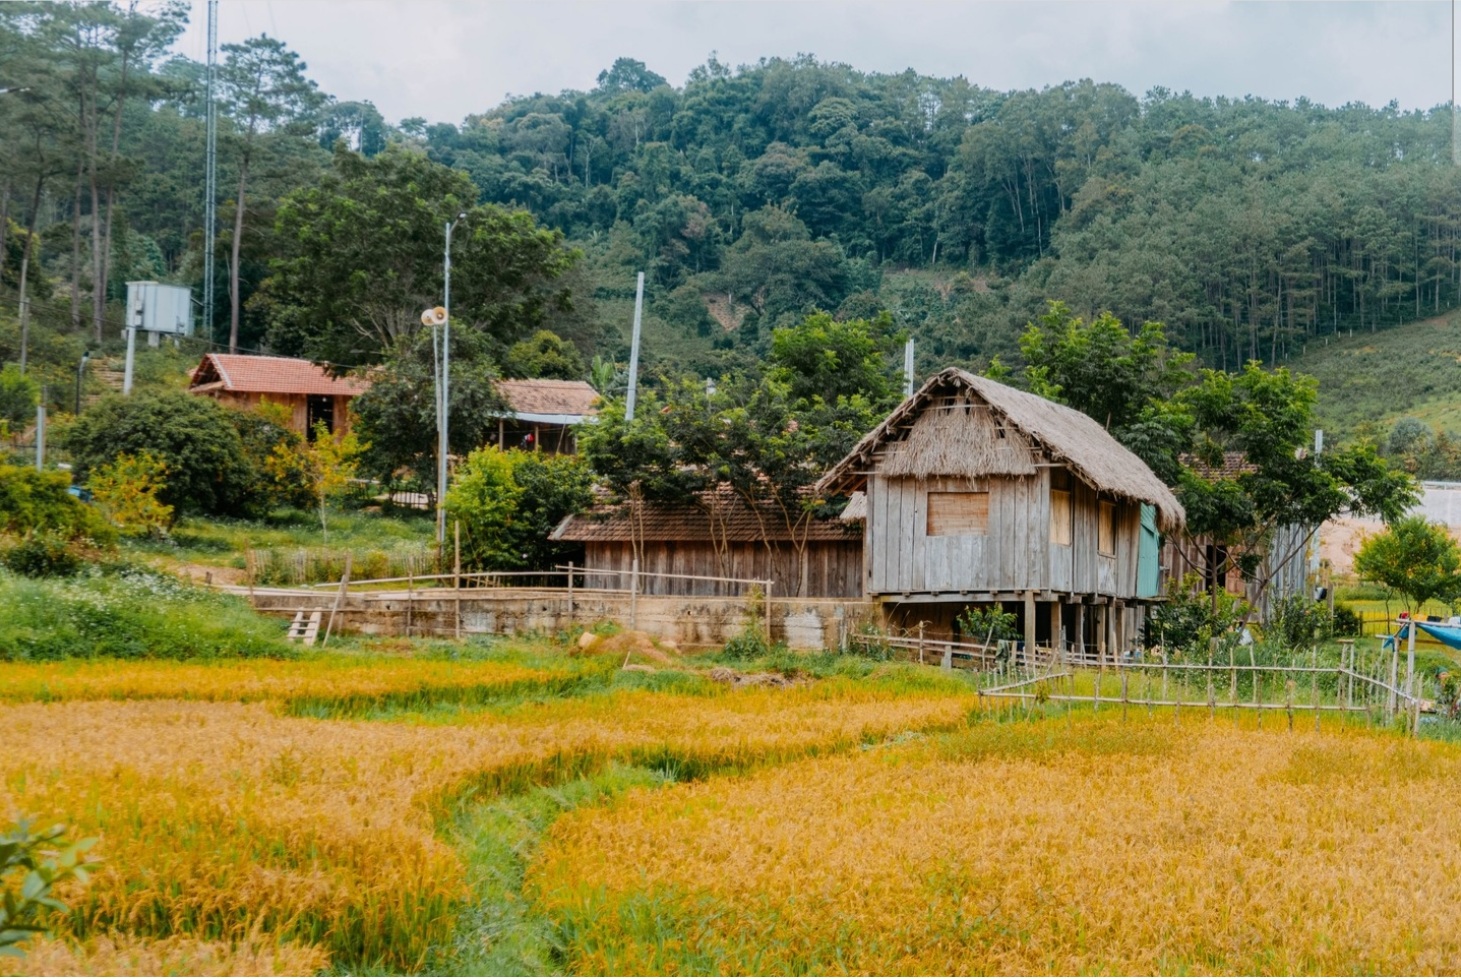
(1369,381)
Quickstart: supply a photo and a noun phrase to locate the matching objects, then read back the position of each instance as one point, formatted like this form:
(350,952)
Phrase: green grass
(381,544)
(1378,378)
(129,614)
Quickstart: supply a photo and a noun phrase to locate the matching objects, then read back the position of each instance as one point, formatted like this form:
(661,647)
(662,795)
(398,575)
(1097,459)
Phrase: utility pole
(634,349)
(908,368)
(444,388)
(210,191)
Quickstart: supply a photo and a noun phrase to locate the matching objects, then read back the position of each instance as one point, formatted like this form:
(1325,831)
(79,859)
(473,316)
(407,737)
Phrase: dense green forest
(750,195)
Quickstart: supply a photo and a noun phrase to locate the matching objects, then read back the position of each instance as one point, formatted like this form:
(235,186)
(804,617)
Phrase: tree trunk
(4,218)
(238,222)
(30,235)
(106,251)
(76,252)
(98,287)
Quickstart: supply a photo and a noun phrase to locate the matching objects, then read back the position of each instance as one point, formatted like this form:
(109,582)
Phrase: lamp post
(80,374)
(443,390)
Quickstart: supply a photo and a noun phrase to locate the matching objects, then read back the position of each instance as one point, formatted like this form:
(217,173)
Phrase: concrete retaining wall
(807,624)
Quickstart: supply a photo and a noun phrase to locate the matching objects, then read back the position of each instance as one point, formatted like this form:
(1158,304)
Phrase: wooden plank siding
(833,568)
(909,556)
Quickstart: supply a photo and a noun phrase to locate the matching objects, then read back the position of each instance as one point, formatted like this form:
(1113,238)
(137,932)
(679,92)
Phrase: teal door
(1147,554)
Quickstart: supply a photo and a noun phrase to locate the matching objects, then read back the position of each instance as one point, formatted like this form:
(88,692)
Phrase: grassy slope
(1381,377)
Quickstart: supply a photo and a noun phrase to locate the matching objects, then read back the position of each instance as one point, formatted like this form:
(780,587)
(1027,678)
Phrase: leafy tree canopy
(1414,558)
(195,438)
(362,258)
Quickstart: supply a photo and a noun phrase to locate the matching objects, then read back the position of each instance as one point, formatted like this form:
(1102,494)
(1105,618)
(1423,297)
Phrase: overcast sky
(443,59)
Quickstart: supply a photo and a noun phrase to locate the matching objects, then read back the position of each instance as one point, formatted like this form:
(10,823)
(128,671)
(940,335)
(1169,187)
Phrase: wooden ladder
(305,627)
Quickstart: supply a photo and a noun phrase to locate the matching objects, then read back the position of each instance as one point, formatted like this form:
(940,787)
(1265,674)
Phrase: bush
(127,490)
(1298,623)
(40,502)
(196,438)
(1186,619)
(43,555)
(129,614)
(1347,621)
(31,865)
(509,502)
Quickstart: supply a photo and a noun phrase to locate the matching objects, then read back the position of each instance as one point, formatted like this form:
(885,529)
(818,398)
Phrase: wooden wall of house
(1016,550)
(298,405)
(833,569)
(1193,555)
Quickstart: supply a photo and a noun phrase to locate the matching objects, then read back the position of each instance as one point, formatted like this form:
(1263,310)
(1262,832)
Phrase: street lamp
(81,373)
(441,316)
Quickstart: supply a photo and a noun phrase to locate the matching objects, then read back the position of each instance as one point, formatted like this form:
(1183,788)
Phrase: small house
(974,493)
(683,548)
(542,414)
(311,394)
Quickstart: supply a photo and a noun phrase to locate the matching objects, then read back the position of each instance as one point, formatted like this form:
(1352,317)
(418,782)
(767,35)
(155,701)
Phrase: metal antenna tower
(210,192)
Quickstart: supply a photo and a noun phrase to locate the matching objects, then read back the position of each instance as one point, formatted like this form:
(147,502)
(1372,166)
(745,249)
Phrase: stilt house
(975,493)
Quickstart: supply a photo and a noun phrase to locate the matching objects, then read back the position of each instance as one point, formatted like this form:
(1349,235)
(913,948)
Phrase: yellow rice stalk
(250,680)
(175,956)
(1096,847)
(222,820)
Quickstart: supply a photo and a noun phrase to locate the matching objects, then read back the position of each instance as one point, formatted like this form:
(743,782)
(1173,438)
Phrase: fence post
(339,597)
(920,642)
(634,594)
(768,616)
(570,593)
(410,596)
(456,582)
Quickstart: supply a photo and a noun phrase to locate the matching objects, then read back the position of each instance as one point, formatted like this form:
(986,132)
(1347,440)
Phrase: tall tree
(264,91)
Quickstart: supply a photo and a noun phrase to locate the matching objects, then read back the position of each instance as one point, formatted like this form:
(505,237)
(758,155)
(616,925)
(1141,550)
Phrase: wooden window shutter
(957,514)
(1060,517)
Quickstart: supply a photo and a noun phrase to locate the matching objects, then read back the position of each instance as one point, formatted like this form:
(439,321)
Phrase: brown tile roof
(548,397)
(735,521)
(269,375)
(1233,464)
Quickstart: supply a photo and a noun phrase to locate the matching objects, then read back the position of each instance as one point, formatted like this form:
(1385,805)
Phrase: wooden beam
(1029,623)
(1057,642)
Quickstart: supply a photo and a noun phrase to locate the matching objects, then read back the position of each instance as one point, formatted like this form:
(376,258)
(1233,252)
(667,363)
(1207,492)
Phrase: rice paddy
(534,812)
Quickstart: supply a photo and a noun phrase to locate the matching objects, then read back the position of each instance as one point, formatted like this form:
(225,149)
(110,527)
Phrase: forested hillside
(750,195)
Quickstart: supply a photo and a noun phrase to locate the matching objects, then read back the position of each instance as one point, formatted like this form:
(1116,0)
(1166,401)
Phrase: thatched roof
(960,424)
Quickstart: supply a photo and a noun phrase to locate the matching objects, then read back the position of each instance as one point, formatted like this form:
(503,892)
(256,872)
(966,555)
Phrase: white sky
(443,59)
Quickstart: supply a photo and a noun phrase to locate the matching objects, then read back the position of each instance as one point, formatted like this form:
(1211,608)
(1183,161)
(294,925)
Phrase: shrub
(131,614)
(1187,619)
(32,502)
(196,438)
(127,490)
(31,865)
(19,396)
(992,624)
(1347,621)
(1297,622)
(43,555)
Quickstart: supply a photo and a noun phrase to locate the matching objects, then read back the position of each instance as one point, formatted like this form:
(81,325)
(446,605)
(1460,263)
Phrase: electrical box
(156,308)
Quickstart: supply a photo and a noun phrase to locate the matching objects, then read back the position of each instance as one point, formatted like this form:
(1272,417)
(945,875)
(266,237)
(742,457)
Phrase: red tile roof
(548,397)
(270,375)
(1233,464)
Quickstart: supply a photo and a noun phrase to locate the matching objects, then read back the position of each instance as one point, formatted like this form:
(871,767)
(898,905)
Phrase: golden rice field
(877,825)
(339,678)
(223,821)
(1085,846)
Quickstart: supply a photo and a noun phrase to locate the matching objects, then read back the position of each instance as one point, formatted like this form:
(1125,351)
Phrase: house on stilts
(974,493)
